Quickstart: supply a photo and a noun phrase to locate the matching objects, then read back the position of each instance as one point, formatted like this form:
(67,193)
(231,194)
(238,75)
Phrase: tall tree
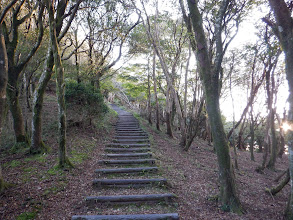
(169,66)
(209,66)
(37,145)
(3,78)
(17,62)
(156,93)
(59,71)
(283,29)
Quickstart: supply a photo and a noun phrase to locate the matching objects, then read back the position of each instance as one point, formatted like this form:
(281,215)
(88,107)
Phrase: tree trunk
(274,143)
(194,120)
(166,72)
(149,96)
(15,68)
(228,197)
(251,143)
(168,113)
(13,94)
(240,143)
(37,144)
(59,71)
(185,84)
(267,144)
(271,119)
(284,31)
(289,72)
(3,85)
(155,92)
(76,57)
(282,134)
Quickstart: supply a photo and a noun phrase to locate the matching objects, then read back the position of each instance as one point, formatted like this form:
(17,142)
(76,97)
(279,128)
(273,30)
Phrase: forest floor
(40,191)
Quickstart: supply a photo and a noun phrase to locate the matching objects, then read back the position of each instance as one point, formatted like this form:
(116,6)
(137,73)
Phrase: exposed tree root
(280,186)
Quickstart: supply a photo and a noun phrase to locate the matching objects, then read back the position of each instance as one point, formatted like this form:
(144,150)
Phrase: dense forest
(210,81)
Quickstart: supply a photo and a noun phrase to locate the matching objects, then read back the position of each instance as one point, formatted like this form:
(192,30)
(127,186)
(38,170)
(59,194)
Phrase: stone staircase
(129,154)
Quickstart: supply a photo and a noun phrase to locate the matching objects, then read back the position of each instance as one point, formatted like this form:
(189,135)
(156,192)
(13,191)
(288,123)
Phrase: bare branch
(5,10)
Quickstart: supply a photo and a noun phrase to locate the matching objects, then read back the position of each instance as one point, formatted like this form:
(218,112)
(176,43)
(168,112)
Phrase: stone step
(127,162)
(127,170)
(124,150)
(119,145)
(120,199)
(168,216)
(128,182)
(127,126)
(127,123)
(129,130)
(142,134)
(130,140)
(129,137)
(140,155)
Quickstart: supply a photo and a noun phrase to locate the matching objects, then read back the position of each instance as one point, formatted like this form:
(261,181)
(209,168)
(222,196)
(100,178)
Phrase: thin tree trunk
(233,129)
(166,72)
(267,143)
(59,71)
(3,85)
(282,135)
(271,120)
(37,144)
(149,96)
(240,143)
(251,143)
(185,85)
(168,113)
(197,124)
(76,58)
(155,92)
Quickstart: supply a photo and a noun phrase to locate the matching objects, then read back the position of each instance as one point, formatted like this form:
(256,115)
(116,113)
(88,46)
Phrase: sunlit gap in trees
(247,34)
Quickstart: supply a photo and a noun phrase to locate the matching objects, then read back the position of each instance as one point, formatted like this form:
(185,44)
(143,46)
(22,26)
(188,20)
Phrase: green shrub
(85,95)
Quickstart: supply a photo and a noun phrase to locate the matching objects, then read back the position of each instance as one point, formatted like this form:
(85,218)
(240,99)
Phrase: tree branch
(5,10)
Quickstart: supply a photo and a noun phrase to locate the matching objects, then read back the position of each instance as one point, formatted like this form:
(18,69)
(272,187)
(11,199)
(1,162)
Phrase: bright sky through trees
(248,34)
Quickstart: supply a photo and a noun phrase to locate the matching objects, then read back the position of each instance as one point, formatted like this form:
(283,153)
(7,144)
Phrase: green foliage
(38,157)
(12,164)
(78,157)
(85,95)
(26,216)
(19,147)
(54,171)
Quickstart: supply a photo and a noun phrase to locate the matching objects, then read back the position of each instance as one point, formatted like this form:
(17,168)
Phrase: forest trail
(129,164)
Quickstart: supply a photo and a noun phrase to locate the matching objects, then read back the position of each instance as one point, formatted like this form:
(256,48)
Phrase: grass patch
(55,189)
(12,164)
(20,147)
(38,157)
(54,171)
(29,169)
(78,158)
(26,216)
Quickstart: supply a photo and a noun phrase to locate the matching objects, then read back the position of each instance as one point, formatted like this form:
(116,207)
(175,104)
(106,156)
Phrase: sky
(247,33)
